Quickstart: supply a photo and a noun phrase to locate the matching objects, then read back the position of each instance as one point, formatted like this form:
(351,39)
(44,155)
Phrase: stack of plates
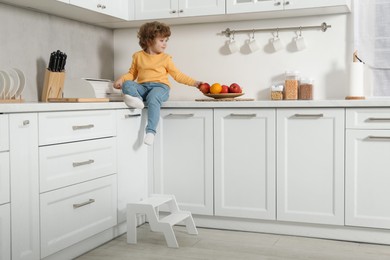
(12,83)
(103,88)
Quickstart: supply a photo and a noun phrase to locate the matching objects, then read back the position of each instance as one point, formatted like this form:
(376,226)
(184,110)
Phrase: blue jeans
(154,94)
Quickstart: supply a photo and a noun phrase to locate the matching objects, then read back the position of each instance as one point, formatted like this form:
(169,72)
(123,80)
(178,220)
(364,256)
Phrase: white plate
(22,83)
(2,86)
(7,84)
(14,82)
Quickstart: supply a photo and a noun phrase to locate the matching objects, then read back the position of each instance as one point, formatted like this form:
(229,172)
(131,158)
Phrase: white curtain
(372,40)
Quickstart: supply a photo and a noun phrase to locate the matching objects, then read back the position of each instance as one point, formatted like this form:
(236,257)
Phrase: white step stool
(150,208)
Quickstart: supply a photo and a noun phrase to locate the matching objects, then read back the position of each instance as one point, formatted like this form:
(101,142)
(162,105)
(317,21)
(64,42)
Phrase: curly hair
(149,31)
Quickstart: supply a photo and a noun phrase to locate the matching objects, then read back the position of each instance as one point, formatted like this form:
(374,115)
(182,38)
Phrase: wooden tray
(224,99)
(78,100)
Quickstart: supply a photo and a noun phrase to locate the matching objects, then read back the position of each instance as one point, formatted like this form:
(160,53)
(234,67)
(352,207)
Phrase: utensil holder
(53,85)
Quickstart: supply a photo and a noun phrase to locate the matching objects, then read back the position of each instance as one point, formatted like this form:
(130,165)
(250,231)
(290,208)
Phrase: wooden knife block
(53,85)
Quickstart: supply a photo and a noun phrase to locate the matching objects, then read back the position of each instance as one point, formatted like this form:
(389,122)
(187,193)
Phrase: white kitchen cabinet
(131,159)
(244,163)
(24,186)
(310,165)
(72,214)
(118,8)
(4,178)
(367,168)
(245,6)
(151,9)
(4,137)
(5,234)
(183,158)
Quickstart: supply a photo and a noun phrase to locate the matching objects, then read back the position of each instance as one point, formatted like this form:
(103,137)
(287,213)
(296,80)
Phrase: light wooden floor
(229,245)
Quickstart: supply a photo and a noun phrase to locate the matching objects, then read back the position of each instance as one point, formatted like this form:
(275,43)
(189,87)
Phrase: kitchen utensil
(22,83)
(14,83)
(224,95)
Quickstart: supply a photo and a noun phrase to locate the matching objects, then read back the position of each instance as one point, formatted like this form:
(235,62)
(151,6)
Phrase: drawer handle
(309,115)
(182,115)
(372,137)
(79,205)
(134,115)
(79,127)
(378,119)
(76,164)
(243,115)
(26,122)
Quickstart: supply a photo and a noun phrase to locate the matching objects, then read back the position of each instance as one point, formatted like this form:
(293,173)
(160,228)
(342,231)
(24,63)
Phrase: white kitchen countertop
(45,107)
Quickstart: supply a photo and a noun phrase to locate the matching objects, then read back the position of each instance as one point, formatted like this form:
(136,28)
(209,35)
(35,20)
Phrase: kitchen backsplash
(28,38)
(200,51)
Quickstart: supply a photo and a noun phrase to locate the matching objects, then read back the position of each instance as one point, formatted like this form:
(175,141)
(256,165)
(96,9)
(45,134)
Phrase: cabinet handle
(103,7)
(79,127)
(277,3)
(173,12)
(182,115)
(287,3)
(372,137)
(309,115)
(99,6)
(132,115)
(77,164)
(243,115)
(181,11)
(26,122)
(378,119)
(79,205)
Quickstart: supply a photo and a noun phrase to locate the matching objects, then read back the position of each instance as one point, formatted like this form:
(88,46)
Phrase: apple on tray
(225,89)
(204,88)
(235,88)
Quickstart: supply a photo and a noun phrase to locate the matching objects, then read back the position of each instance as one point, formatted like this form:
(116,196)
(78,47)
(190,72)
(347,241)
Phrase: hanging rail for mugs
(228,32)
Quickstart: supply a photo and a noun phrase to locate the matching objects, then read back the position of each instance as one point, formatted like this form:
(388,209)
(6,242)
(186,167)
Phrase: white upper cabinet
(151,9)
(119,8)
(247,6)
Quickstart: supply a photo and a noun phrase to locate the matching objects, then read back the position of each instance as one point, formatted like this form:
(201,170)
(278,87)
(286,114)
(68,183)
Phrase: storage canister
(277,92)
(291,85)
(306,89)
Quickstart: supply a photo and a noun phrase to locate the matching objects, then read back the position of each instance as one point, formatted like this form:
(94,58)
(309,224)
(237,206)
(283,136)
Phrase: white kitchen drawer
(65,164)
(4,138)
(4,177)
(61,127)
(74,213)
(368,118)
(5,232)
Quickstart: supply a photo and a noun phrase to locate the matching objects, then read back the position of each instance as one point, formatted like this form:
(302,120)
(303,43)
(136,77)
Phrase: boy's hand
(118,84)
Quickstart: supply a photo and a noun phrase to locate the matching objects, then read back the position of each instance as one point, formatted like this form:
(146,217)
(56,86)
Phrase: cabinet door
(245,6)
(24,186)
(4,178)
(5,234)
(302,4)
(244,155)
(4,137)
(310,165)
(367,178)
(201,7)
(151,9)
(131,160)
(183,158)
(119,8)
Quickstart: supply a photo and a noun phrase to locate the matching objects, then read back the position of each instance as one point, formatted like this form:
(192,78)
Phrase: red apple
(235,88)
(204,88)
(225,89)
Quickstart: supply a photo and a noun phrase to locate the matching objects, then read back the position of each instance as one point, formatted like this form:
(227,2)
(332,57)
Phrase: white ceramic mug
(233,47)
(276,43)
(253,46)
(300,43)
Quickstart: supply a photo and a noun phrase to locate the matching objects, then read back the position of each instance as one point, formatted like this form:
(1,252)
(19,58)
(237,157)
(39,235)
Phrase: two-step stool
(150,207)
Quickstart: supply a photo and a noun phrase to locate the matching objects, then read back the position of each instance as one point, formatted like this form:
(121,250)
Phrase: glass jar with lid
(291,85)
(306,89)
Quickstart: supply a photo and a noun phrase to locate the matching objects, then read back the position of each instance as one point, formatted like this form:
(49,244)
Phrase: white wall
(200,51)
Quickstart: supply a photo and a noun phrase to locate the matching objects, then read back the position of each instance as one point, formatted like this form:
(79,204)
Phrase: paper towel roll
(356,81)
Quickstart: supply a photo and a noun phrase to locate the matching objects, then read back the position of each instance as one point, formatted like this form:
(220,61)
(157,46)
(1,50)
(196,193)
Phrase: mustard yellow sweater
(155,68)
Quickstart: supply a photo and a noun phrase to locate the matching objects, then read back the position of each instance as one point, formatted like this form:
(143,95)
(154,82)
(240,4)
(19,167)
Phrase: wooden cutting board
(78,100)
